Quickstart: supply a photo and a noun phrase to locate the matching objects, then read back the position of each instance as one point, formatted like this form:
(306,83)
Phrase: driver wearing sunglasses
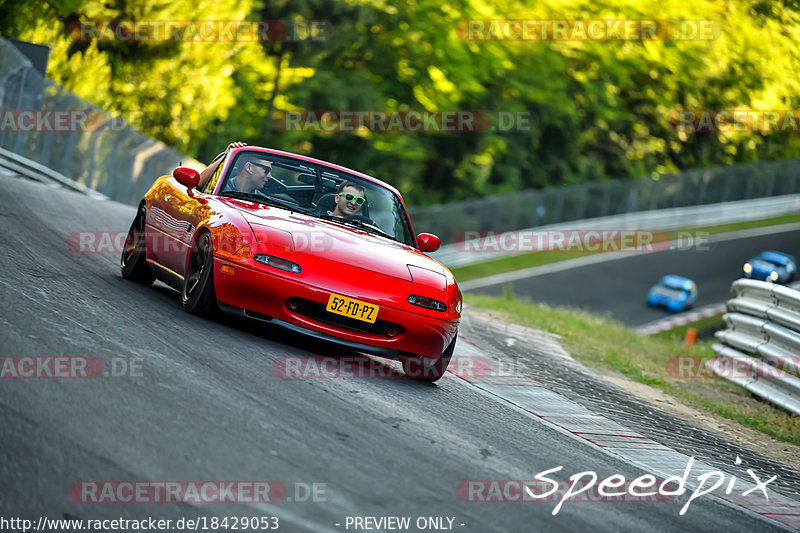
(254,173)
(349,199)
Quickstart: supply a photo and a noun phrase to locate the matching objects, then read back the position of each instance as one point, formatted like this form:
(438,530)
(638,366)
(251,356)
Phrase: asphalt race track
(619,288)
(205,404)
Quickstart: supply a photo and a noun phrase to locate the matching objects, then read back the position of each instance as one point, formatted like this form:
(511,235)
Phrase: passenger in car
(349,199)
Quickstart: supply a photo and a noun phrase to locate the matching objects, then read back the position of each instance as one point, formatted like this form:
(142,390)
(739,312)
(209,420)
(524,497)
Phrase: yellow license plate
(341,305)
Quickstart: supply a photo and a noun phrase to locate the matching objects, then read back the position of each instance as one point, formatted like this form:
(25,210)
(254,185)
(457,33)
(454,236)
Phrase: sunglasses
(268,168)
(350,197)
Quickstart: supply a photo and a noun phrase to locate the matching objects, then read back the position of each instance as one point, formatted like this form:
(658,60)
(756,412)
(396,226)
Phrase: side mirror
(428,242)
(188,177)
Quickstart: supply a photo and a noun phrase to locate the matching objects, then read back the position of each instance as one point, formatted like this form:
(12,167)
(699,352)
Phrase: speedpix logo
(587,486)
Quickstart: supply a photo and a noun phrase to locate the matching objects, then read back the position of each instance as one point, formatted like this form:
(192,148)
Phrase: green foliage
(601,109)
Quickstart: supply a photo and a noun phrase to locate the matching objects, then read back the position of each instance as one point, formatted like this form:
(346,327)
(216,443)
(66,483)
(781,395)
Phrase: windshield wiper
(263,199)
(360,224)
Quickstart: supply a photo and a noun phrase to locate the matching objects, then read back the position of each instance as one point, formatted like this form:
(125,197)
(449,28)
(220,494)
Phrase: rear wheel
(132,262)
(428,368)
(198,294)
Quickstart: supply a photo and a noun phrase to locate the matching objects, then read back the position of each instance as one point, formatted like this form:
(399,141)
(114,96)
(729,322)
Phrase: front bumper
(263,295)
(764,276)
(672,305)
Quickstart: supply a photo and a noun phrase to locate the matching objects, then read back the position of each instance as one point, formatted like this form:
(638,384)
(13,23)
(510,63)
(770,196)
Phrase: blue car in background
(676,293)
(772,266)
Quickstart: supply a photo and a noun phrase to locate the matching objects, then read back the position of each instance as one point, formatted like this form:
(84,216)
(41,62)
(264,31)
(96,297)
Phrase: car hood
(352,246)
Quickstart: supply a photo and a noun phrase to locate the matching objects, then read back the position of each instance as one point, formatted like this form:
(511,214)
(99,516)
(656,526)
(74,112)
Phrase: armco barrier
(100,153)
(35,171)
(610,201)
(760,347)
(661,219)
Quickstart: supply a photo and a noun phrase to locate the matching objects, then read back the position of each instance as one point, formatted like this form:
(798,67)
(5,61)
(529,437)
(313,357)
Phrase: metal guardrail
(23,166)
(454,256)
(760,347)
(100,152)
(613,198)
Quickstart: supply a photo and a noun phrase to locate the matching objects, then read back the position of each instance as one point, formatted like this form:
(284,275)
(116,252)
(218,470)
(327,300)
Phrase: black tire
(429,369)
(132,262)
(198,294)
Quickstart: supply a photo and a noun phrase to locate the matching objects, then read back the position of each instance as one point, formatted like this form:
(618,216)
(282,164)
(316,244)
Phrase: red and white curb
(680,319)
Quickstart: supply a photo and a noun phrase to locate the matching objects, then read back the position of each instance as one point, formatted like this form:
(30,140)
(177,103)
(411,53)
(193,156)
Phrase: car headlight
(427,303)
(773,276)
(748,268)
(278,262)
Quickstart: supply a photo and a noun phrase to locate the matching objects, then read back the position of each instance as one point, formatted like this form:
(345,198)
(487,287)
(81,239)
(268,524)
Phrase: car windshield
(676,283)
(669,292)
(775,259)
(313,189)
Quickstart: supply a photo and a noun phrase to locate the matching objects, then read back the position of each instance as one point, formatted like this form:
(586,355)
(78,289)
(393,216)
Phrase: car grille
(318,312)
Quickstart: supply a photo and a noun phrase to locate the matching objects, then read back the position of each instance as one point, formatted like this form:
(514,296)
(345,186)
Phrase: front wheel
(429,369)
(198,294)
(133,263)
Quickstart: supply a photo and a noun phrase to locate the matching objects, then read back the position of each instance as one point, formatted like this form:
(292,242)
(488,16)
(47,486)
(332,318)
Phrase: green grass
(532,259)
(606,345)
(738,226)
(509,264)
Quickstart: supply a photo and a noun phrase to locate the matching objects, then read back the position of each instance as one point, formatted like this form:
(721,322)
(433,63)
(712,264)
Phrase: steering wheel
(361,218)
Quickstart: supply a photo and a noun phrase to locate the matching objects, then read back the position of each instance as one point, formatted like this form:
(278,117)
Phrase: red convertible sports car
(311,245)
